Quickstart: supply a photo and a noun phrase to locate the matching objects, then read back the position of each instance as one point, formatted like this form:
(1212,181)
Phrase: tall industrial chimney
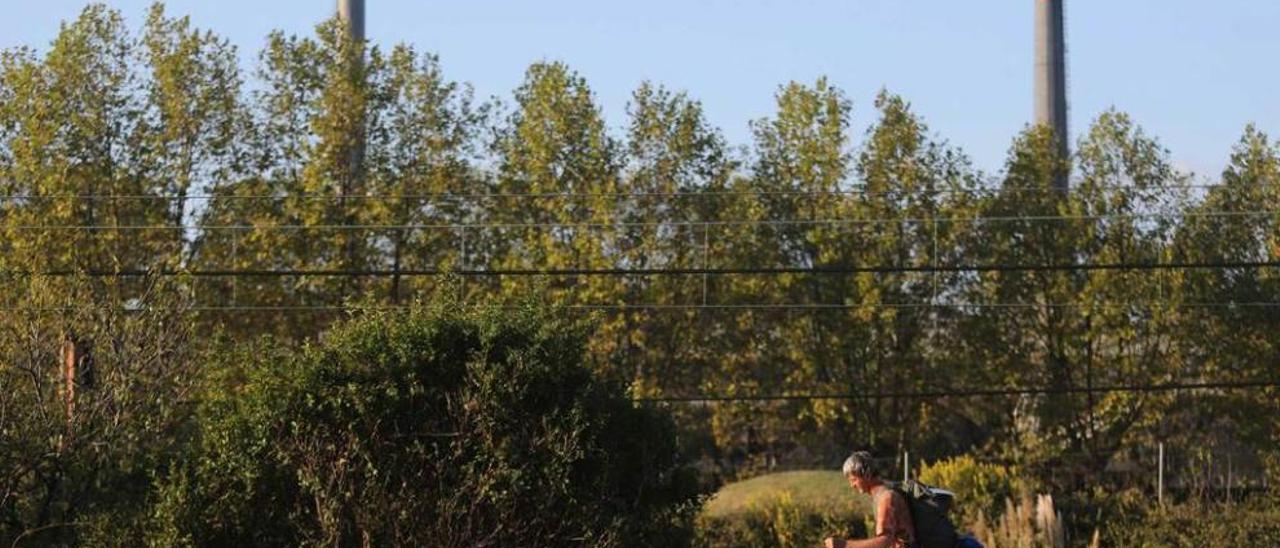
(352,14)
(1051,74)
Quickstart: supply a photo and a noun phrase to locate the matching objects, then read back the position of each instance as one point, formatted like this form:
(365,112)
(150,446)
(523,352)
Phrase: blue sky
(1192,72)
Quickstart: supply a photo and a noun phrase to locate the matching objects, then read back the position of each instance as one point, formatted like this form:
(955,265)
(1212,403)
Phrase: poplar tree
(1233,340)
(1079,328)
(71,121)
(105,136)
(677,171)
(423,148)
(559,168)
(916,192)
(801,159)
(304,203)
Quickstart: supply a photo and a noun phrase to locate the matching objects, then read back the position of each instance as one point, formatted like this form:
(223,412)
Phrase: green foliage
(1105,327)
(671,148)
(78,460)
(981,489)
(428,427)
(102,114)
(783,509)
(342,156)
(779,520)
(1256,524)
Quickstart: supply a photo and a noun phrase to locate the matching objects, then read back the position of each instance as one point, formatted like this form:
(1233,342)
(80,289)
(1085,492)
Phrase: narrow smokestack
(1051,73)
(352,13)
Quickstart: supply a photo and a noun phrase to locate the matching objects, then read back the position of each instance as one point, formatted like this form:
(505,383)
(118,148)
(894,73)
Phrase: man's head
(860,470)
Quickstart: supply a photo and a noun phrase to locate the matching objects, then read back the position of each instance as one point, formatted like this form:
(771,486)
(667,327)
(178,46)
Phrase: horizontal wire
(967,393)
(677,307)
(624,224)
(825,270)
(856,191)
(480,196)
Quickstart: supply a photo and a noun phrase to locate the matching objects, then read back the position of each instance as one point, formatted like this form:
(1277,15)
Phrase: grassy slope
(812,488)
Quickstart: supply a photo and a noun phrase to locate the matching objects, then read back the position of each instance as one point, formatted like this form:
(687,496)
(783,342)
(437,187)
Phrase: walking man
(894,528)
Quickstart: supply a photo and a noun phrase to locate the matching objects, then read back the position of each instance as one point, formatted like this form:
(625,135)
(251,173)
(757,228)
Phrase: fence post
(69,377)
(1229,478)
(1160,478)
(706,255)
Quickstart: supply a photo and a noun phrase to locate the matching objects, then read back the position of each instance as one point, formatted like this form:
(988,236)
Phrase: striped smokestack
(1051,73)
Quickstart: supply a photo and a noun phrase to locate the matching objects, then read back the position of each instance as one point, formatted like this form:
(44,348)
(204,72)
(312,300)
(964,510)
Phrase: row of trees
(344,157)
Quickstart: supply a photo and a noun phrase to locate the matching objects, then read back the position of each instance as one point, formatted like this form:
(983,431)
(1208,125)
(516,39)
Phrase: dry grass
(817,489)
(1028,523)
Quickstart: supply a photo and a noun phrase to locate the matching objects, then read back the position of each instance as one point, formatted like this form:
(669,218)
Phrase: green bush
(431,427)
(1255,524)
(80,472)
(981,489)
(781,521)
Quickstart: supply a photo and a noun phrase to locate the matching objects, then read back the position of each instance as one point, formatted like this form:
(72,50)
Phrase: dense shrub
(781,521)
(76,466)
(1253,524)
(432,427)
(981,489)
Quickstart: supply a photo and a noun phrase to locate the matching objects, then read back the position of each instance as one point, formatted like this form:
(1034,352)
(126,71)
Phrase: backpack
(929,514)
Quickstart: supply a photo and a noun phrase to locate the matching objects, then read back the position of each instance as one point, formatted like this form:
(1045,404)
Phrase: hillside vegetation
(181,230)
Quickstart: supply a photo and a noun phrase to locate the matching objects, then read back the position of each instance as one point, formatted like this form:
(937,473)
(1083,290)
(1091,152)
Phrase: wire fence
(855,190)
(969,393)
(582,272)
(932,266)
(674,308)
(674,223)
(1207,469)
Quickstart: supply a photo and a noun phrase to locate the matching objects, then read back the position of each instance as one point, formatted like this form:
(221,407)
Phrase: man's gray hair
(860,464)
